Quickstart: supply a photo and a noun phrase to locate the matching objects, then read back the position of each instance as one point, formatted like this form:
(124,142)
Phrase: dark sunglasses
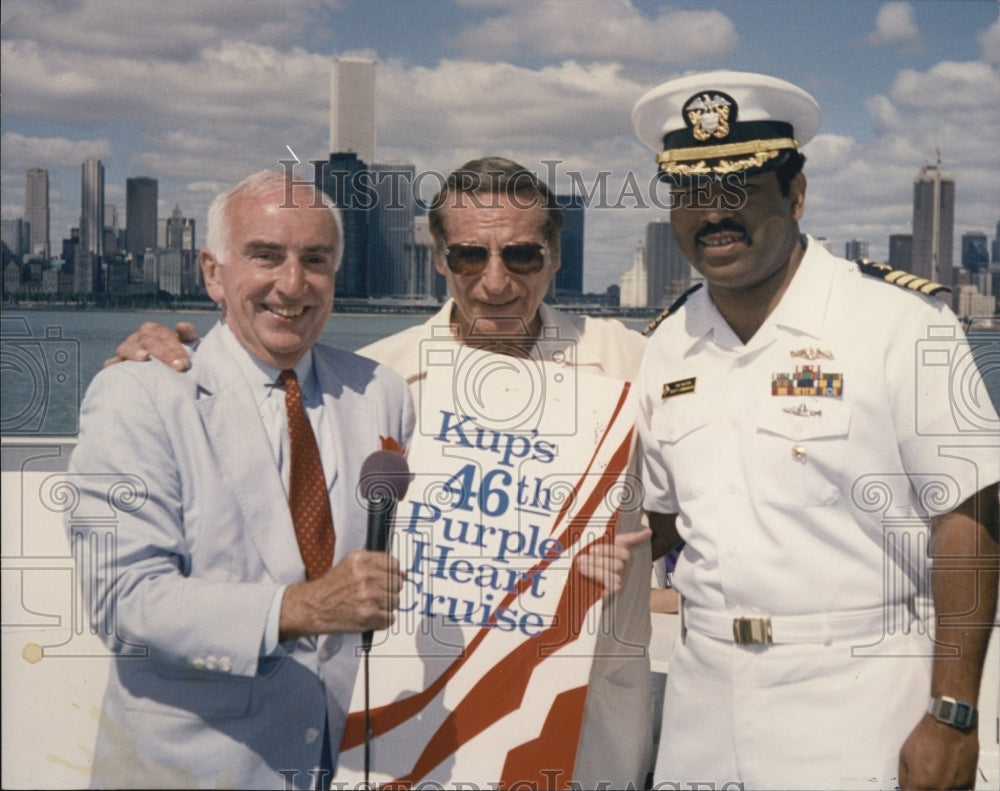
(521,258)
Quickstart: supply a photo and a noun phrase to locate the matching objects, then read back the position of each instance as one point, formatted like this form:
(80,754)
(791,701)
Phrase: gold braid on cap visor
(762,151)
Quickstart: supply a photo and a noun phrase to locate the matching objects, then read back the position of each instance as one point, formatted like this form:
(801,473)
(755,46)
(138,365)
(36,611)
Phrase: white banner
(483,678)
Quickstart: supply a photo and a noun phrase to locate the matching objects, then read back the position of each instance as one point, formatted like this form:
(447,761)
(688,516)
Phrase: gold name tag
(679,387)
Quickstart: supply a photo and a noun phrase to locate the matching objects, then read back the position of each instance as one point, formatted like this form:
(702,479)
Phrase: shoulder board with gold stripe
(674,307)
(901,278)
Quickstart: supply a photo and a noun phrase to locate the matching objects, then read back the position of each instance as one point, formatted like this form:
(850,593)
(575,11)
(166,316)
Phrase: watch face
(956,713)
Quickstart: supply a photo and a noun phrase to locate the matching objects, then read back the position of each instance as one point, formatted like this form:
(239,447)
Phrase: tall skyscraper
(141,195)
(352,108)
(667,271)
(634,290)
(901,251)
(423,278)
(346,180)
(90,251)
(180,237)
(975,252)
(390,230)
(36,211)
(16,235)
(933,224)
(856,249)
(568,282)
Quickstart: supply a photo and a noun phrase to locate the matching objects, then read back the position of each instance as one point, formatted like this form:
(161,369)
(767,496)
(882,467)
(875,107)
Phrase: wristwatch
(956,713)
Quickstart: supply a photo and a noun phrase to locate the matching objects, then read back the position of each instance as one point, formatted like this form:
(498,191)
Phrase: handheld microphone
(385,478)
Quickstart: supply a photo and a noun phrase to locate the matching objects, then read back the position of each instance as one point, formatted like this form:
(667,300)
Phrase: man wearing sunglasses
(496,233)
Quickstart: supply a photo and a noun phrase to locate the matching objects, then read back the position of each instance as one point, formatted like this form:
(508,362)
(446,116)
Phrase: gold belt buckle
(752,631)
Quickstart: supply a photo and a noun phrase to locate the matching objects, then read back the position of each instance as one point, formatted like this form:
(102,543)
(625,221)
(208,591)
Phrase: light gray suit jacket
(180,583)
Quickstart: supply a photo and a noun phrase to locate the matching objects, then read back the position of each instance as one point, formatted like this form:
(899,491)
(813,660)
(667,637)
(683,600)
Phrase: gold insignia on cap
(708,115)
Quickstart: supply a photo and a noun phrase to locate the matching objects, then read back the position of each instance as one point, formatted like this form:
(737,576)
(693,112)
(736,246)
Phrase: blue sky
(198,93)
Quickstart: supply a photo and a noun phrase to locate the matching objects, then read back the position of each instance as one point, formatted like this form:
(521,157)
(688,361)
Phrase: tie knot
(287,376)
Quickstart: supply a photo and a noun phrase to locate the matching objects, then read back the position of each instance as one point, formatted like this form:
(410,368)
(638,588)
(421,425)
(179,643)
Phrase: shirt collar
(262,377)
(557,330)
(802,307)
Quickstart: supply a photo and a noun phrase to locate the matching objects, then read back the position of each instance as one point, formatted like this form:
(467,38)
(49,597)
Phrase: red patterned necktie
(307,494)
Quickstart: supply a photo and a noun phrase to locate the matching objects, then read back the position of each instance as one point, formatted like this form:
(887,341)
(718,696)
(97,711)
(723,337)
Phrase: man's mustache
(723,226)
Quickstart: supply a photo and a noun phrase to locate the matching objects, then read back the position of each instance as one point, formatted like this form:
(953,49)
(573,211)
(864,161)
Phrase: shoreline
(350,309)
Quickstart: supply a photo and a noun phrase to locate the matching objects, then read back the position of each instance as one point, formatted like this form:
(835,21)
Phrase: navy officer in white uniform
(801,439)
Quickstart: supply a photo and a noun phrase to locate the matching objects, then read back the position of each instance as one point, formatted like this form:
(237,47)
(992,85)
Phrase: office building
(179,275)
(668,273)
(567,285)
(141,196)
(856,249)
(16,234)
(345,179)
(90,250)
(390,230)
(933,224)
(901,251)
(352,108)
(36,212)
(423,278)
(634,288)
(112,232)
(975,254)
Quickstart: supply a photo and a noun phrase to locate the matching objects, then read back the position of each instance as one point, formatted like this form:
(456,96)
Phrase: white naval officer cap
(718,122)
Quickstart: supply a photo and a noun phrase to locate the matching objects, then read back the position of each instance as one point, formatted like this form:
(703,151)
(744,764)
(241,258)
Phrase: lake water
(49,357)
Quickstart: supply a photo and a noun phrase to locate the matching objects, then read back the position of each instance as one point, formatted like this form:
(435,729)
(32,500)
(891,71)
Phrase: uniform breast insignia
(803,410)
(679,387)
(674,307)
(812,354)
(807,380)
(901,278)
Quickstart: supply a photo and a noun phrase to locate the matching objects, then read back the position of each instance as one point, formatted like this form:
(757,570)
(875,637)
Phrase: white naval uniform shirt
(808,505)
(787,502)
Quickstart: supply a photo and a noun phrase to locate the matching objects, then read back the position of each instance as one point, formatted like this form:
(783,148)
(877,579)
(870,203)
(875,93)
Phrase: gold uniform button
(799,452)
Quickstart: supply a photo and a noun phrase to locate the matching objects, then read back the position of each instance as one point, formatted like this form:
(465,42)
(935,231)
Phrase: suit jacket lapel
(245,461)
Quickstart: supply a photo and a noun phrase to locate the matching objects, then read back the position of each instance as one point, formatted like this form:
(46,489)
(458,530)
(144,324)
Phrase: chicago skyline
(126,83)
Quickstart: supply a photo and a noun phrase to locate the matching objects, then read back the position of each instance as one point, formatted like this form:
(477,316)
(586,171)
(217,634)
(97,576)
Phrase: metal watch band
(956,713)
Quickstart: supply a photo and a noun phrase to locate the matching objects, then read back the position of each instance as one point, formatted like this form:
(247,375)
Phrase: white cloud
(989,40)
(178,30)
(22,152)
(602,30)
(485,105)
(895,25)
(865,189)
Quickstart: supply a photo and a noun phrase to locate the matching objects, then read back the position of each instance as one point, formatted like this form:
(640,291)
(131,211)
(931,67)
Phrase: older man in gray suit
(243,573)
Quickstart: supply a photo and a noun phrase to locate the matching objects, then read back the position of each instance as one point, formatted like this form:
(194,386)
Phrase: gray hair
(259,185)
(497,176)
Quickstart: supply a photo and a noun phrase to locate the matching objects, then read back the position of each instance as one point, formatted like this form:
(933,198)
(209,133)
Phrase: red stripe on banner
(386,718)
(532,765)
(501,691)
